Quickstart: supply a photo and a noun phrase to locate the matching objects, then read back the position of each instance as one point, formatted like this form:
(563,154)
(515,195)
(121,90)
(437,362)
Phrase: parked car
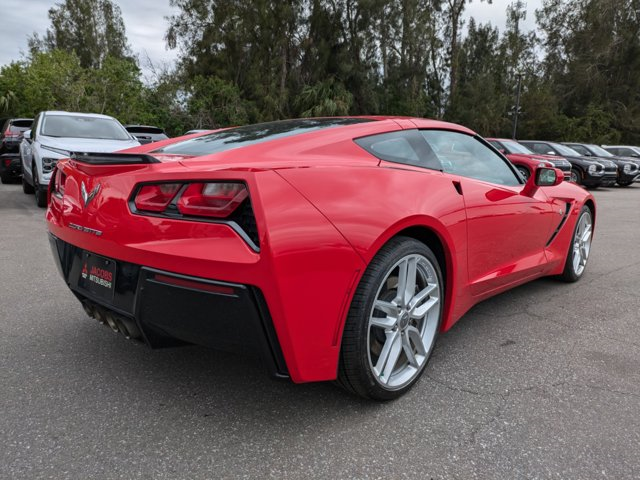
(146,134)
(56,134)
(623,150)
(10,168)
(628,168)
(583,170)
(526,160)
(337,248)
(11,134)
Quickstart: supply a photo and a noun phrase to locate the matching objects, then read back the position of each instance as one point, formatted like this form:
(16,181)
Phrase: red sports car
(336,248)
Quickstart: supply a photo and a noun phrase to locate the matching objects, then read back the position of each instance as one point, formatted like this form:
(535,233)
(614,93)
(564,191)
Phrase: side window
(404,146)
(464,155)
(497,145)
(581,150)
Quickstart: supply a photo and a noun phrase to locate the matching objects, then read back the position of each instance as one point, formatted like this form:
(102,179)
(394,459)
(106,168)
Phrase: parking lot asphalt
(540,382)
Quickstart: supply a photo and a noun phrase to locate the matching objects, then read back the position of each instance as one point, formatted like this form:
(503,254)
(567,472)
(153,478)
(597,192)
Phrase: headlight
(48,164)
(592,169)
(628,168)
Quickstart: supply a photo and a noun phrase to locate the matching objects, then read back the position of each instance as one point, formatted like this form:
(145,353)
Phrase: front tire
(575,176)
(393,321)
(27,188)
(579,248)
(524,172)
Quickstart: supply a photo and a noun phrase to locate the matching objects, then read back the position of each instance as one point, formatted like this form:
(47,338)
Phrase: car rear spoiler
(113,158)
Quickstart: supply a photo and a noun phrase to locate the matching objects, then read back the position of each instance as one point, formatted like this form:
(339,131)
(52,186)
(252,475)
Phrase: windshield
(599,151)
(515,147)
(564,150)
(83,127)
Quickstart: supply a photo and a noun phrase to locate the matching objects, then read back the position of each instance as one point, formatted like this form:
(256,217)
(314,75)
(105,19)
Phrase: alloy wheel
(582,243)
(403,321)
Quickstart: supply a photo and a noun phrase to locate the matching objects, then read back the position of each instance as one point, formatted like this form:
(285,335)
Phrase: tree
(92,29)
(453,23)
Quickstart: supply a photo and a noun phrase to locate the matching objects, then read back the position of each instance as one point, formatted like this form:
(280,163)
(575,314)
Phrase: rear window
(252,134)
(20,125)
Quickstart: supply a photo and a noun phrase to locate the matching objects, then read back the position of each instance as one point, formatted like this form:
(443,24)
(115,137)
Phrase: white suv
(55,135)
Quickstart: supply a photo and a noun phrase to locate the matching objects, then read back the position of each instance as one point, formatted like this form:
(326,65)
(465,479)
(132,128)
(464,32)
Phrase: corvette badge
(87,197)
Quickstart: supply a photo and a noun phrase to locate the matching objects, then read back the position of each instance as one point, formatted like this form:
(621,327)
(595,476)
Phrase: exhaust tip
(99,315)
(112,322)
(130,329)
(88,309)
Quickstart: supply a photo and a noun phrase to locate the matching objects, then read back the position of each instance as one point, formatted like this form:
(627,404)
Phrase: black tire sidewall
(360,377)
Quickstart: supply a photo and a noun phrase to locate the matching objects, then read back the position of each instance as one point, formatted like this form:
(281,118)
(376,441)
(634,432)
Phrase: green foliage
(263,60)
(92,29)
(328,98)
(214,102)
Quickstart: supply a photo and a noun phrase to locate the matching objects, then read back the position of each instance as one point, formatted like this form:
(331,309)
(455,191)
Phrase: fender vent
(567,210)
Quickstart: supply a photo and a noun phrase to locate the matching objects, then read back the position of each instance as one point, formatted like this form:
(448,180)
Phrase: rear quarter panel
(369,206)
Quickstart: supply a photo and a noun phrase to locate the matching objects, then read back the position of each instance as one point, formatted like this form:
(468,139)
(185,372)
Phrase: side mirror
(542,177)
(548,177)
(502,151)
(27,134)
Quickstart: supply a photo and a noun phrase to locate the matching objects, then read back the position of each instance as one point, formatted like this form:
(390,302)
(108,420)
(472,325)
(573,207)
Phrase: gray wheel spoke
(416,339)
(402,282)
(422,295)
(408,351)
(386,307)
(425,308)
(387,322)
(389,356)
(586,235)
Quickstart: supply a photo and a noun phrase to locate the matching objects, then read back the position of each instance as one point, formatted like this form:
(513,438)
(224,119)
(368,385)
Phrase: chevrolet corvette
(333,248)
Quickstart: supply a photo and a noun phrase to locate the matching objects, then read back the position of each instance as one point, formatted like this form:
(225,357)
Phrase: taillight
(156,198)
(7,162)
(217,200)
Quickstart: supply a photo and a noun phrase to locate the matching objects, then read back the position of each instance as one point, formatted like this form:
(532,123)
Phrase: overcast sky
(146,25)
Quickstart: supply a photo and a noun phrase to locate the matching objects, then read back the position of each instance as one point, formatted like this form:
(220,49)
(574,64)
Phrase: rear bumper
(10,166)
(167,309)
(9,145)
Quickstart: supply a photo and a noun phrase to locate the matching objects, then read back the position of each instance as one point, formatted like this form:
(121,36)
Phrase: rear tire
(5,179)
(386,347)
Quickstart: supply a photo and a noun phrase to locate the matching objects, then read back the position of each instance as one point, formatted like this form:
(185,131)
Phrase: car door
(506,230)
(27,146)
